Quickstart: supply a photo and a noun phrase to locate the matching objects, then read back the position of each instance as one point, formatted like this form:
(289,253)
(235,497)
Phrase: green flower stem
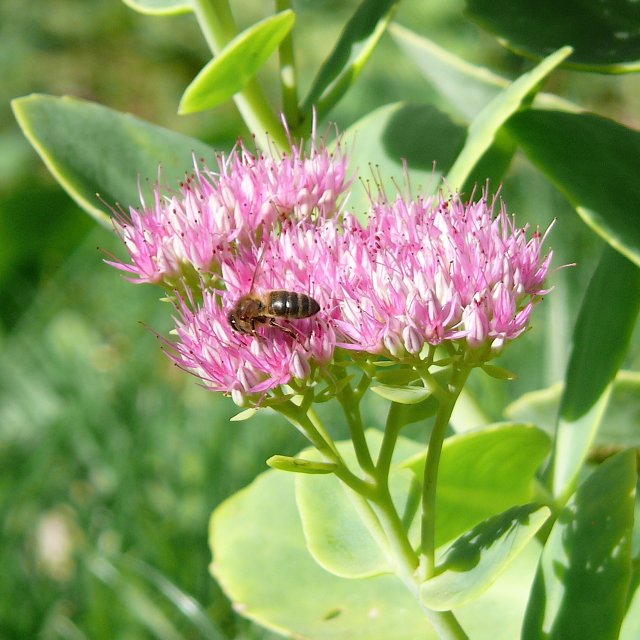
(389,439)
(288,75)
(219,28)
(350,404)
(301,421)
(459,376)
(406,563)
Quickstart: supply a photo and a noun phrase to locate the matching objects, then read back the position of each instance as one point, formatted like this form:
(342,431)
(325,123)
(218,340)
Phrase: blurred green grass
(111,459)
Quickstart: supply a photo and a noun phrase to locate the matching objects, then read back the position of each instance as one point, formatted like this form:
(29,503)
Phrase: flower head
(300,259)
(440,269)
(178,233)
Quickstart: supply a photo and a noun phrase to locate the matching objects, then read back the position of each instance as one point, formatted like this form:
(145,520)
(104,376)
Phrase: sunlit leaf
(476,559)
(160,7)
(581,586)
(91,149)
(300,465)
(236,64)
(257,533)
(605,36)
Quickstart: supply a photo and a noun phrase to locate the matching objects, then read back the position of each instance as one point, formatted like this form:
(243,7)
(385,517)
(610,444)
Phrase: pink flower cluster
(179,232)
(440,269)
(422,271)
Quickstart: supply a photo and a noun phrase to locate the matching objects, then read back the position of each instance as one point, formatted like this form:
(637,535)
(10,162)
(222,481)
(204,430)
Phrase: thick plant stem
(219,28)
(288,79)
(458,378)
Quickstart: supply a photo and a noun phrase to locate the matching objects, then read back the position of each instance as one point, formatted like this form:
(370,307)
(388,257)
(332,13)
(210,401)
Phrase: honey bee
(254,309)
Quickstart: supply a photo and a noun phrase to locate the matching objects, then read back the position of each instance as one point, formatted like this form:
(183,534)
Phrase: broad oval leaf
(475,560)
(261,562)
(91,149)
(482,473)
(160,7)
(593,161)
(485,127)
(236,64)
(580,590)
(605,36)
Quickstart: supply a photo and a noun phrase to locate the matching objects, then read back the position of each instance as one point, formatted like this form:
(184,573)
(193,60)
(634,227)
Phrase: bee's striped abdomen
(289,304)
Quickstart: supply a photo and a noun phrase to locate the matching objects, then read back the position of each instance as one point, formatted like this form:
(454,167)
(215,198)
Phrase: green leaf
(261,562)
(467,87)
(605,36)
(482,473)
(236,64)
(247,414)
(476,559)
(336,523)
(160,7)
(396,375)
(593,162)
(352,51)
(600,341)
(91,149)
(485,127)
(580,590)
(620,424)
(301,465)
(402,395)
(404,414)
(385,138)
(499,373)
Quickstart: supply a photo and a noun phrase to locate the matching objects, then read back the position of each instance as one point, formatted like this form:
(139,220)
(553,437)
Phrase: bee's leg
(284,329)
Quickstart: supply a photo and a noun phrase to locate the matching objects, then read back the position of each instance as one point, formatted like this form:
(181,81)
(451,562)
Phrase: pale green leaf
(160,7)
(300,465)
(261,561)
(236,64)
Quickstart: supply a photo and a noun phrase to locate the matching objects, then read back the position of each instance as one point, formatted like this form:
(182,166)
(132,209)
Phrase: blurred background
(111,460)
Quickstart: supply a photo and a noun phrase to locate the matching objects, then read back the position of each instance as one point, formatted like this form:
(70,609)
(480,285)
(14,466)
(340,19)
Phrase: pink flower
(185,231)
(436,270)
(300,259)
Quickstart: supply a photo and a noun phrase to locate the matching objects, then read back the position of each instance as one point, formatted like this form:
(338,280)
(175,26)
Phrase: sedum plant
(287,299)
